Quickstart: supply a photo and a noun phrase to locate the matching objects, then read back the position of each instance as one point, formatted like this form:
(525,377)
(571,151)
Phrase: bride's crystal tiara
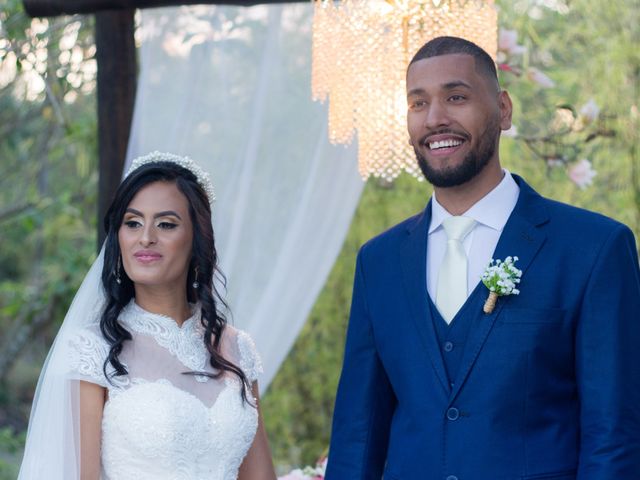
(185,162)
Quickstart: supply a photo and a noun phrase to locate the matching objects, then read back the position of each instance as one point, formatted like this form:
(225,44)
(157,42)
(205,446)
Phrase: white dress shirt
(491,213)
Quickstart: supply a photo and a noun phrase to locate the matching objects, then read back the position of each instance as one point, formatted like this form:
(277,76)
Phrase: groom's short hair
(456,45)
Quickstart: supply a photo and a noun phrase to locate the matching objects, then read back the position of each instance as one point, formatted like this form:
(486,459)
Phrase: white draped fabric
(230,87)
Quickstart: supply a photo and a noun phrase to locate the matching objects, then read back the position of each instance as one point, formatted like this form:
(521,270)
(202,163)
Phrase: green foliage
(48,183)
(11,445)
(588,50)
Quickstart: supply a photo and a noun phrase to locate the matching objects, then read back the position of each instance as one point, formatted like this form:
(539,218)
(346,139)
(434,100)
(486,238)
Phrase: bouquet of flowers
(308,473)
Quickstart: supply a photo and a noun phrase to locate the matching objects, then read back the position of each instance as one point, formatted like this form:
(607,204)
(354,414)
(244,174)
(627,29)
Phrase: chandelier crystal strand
(341,116)
(320,47)
(373,112)
(360,53)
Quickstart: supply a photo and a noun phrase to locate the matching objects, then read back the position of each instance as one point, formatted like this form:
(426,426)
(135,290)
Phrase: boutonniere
(501,279)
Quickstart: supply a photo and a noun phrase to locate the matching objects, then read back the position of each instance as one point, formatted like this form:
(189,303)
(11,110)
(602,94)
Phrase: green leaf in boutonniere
(501,279)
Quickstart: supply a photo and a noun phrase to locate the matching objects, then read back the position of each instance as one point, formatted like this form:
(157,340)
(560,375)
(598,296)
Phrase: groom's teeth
(444,144)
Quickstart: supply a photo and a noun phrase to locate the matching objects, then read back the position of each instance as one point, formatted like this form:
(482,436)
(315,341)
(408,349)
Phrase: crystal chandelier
(361,49)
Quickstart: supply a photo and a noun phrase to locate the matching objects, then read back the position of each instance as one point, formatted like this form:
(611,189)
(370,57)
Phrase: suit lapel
(413,255)
(523,238)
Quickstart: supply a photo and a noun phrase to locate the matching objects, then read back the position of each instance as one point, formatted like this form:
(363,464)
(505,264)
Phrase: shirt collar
(492,210)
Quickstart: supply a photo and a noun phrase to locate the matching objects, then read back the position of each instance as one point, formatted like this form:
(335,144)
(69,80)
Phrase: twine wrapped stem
(490,304)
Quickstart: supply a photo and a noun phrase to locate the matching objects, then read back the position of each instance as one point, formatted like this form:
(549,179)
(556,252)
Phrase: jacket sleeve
(608,363)
(364,402)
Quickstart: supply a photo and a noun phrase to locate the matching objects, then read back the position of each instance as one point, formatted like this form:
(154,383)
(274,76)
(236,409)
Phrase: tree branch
(12,211)
(21,333)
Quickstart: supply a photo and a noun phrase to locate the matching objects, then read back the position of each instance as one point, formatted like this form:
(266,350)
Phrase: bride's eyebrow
(134,212)
(165,213)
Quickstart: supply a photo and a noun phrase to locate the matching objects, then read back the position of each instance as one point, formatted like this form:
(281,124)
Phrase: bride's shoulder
(88,339)
(245,350)
(87,351)
(235,335)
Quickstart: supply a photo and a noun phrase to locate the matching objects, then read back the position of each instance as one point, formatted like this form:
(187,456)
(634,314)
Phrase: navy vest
(452,338)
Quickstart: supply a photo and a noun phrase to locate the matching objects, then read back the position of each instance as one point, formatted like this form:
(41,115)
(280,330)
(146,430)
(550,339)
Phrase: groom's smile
(444,143)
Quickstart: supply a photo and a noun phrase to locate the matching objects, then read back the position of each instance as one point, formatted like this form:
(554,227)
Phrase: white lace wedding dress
(160,423)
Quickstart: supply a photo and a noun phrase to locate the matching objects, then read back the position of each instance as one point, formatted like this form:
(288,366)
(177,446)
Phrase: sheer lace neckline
(164,320)
(184,342)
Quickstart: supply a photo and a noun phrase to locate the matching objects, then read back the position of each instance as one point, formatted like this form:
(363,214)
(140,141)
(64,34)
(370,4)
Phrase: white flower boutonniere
(501,279)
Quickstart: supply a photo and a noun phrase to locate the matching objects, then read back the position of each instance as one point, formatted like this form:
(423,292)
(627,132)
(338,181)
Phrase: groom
(545,386)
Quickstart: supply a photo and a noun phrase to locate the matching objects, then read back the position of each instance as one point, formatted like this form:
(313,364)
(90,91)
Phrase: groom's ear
(506,109)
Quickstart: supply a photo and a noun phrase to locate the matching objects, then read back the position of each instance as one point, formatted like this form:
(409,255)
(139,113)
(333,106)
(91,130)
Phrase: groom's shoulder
(577,228)
(579,219)
(393,235)
(564,216)
(587,236)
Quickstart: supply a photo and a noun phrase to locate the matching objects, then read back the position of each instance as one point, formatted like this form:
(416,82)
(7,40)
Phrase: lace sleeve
(250,361)
(87,352)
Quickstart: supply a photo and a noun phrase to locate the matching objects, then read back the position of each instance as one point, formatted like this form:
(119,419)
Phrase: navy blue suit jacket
(549,383)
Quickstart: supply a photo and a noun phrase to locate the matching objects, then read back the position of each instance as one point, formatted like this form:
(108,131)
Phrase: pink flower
(508,42)
(513,69)
(581,173)
(540,78)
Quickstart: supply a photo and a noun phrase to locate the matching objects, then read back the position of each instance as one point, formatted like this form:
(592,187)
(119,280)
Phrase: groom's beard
(471,165)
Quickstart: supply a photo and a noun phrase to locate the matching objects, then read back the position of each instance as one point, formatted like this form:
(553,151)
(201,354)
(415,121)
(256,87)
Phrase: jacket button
(453,413)
(452,477)
(448,346)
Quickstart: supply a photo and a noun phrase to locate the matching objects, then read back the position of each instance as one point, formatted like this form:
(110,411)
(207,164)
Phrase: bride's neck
(169,302)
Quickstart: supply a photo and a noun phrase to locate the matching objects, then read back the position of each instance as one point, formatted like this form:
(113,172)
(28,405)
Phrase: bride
(145,379)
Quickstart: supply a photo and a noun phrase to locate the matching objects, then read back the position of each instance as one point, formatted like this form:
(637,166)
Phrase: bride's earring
(195,283)
(117,275)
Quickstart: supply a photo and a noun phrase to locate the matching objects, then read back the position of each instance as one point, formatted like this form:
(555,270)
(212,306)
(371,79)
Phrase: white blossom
(296,474)
(581,173)
(555,162)
(589,111)
(511,133)
(502,277)
(508,42)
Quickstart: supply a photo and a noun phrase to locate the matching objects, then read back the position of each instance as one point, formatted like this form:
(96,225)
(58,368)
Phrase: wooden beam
(52,8)
(117,72)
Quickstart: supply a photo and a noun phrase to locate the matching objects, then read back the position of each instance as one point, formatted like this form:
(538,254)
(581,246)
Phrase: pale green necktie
(451,292)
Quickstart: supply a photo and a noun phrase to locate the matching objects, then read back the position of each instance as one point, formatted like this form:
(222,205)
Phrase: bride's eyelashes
(132,224)
(167,225)
(164,225)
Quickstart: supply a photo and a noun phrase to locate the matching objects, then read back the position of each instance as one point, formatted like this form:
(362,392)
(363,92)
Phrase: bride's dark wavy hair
(204,257)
